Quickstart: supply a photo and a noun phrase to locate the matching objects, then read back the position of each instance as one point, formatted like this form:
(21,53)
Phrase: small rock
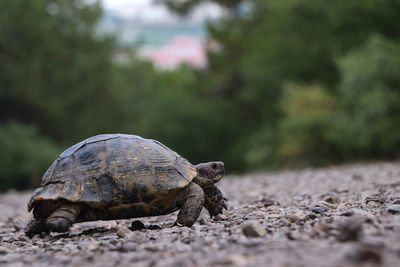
(219,217)
(394,209)
(4,251)
(378,198)
(124,247)
(123,231)
(152,248)
(395,201)
(332,200)
(347,213)
(202,221)
(253,229)
(350,230)
(92,246)
(366,251)
(373,204)
(23,238)
(153,227)
(137,225)
(322,226)
(289,235)
(297,217)
(188,239)
(268,202)
(319,210)
(311,216)
(128,247)
(327,205)
(231,260)
(357,177)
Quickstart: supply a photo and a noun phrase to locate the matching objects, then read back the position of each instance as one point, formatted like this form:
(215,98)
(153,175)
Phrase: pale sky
(120,3)
(143,8)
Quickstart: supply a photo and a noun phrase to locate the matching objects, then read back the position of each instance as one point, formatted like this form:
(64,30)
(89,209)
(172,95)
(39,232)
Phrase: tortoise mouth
(217,178)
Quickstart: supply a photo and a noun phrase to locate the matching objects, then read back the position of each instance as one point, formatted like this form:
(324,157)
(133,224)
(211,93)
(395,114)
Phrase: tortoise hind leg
(192,204)
(63,218)
(35,227)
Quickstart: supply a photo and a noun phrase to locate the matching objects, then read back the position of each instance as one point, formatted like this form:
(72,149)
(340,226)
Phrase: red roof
(183,49)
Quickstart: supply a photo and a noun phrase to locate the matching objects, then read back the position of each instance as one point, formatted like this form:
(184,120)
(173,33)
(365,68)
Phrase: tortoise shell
(116,172)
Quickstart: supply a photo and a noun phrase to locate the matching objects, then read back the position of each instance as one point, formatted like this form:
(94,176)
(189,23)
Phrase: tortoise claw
(169,225)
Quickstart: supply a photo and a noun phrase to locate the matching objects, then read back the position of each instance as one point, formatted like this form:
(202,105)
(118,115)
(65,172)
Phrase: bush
(309,111)
(24,156)
(370,96)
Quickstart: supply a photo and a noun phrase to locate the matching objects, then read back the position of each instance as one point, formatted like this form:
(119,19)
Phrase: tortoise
(120,176)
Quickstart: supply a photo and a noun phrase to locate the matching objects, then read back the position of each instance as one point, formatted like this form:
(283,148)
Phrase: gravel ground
(336,216)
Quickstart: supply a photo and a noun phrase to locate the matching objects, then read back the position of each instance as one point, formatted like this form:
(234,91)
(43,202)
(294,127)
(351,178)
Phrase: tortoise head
(209,173)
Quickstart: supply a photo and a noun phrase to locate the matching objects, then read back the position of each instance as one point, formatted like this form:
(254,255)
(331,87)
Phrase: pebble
(350,229)
(202,221)
(254,229)
(319,210)
(137,225)
(231,260)
(378,198)
(128,247)
(332,200)
(366,252)
(266,202)
(219,217)
(347,213)
(4,251)
(394,209)
(357,177)
(311,216)
(297,217)
(123,231)
(395,201)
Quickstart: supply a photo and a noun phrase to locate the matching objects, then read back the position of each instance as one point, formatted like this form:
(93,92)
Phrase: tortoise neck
(203,182)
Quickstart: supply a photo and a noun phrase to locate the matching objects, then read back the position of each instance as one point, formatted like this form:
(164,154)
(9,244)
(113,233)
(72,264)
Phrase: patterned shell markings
(115,169)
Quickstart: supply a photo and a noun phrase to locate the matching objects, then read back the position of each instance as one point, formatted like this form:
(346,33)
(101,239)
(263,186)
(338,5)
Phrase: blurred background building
(162,36)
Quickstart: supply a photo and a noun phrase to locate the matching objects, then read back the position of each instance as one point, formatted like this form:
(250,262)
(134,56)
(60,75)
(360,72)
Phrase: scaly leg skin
(63,218)
(214,201)
(192,205)
(35,227)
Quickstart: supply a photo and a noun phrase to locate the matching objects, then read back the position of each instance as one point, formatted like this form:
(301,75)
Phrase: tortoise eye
(214,166)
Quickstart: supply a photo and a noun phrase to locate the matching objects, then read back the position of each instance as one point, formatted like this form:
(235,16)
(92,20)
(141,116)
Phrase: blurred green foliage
(369,92)
(313,82)
(24,156)
(308,113)
(294,83)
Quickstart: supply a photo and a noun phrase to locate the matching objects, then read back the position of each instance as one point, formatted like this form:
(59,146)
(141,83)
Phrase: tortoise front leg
(192,204)
(214,200)
(63,218)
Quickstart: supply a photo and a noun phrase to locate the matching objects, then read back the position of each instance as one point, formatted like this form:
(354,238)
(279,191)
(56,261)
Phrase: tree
(296,42)
(55,71)
(370,98)
(24,156)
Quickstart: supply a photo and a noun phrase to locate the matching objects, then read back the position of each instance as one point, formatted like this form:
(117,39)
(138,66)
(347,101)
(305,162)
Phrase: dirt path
(327,217)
